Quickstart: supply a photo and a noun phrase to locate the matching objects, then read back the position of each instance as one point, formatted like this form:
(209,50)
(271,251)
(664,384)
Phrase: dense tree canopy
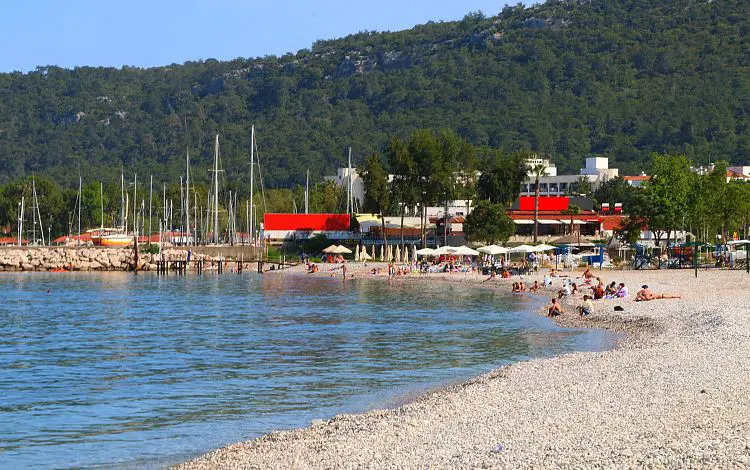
(621,78)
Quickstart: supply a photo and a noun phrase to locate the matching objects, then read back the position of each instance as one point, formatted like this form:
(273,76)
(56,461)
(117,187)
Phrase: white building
(342,179)
(549,168)
(596,171)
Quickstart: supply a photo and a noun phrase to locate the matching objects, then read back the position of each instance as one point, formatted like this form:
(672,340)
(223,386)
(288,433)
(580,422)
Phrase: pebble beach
(674,393)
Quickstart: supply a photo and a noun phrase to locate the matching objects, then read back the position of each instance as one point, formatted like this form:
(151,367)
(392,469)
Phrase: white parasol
(493,250)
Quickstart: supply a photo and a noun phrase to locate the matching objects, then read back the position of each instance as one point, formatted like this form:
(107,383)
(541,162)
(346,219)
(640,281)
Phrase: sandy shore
(674,394)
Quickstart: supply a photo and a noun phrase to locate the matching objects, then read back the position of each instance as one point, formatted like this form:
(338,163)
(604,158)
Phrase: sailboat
(113,237)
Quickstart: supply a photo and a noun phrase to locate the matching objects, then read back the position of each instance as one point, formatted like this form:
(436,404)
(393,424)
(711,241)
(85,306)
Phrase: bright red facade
(545,203)
(307,222)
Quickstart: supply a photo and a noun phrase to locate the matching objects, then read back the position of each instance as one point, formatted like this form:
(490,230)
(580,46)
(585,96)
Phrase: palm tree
(537,171)
(571,211)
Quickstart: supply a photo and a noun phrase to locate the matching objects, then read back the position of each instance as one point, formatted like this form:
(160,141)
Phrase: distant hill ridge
(566,78)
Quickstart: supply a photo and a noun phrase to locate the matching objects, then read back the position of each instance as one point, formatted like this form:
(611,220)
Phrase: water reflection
(115,369)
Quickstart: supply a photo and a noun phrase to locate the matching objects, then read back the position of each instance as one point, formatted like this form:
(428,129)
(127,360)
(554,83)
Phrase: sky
(70,33)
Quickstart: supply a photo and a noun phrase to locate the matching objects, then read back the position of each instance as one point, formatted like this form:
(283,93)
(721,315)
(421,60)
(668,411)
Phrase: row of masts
(201,229)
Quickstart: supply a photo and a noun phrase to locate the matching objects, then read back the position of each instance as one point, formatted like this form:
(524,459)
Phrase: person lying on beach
(645,294)
(493,275)
(555,309)
(586,307)
(505,274)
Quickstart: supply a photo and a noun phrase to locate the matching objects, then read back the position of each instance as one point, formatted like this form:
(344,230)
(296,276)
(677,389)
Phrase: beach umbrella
(372,256)
(522,249)
(493,250)
(356,253)
(544,247)
(398,254)
(382,253)
(465,251)
(331,249)
(406,255)
(343,250)
(423,252)
(573,239)
(389,253)
(414,252)
(443,250)
(364,256)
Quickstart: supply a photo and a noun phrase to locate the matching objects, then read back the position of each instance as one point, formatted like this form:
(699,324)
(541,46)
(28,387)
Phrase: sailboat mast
(350,201)
(216,190)
(101,202)
(150,200)
(122,200)
(252,167)
(20,220)
(135,205)
(80,182)
(187,195)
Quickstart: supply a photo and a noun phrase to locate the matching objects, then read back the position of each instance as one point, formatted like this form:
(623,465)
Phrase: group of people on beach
(598,290)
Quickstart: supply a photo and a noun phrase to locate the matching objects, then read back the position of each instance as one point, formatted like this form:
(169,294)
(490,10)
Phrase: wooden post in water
(135,254)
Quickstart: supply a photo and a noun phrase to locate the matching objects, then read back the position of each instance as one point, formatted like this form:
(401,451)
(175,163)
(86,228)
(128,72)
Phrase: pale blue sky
(144,33)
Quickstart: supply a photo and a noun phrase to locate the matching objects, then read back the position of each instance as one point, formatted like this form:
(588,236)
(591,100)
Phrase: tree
(537,172)
(571,211)
(667,195)
(377,190)
(405,184)
(582,186)
(326,197)
(615,190)
(488,222)
(502,176)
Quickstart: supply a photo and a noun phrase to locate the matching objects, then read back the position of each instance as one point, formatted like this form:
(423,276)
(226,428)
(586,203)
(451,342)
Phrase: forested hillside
(621,78)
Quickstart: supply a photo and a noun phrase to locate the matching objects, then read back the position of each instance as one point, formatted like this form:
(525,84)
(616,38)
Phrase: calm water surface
(118,370)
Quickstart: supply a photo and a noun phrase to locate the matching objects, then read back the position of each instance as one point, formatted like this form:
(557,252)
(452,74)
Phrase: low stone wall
(85,259)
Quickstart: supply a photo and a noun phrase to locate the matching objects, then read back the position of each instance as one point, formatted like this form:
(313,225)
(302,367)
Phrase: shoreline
(674,391)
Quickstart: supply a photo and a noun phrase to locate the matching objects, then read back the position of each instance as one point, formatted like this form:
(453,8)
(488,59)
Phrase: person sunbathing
(555,309)
(645,294)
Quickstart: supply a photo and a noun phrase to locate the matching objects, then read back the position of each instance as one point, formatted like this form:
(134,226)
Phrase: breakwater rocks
(85,259)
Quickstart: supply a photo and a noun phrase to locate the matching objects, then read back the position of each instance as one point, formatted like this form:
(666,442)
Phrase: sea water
(123,370)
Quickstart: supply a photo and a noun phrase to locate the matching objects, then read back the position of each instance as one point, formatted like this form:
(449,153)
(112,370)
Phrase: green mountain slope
(567,78)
